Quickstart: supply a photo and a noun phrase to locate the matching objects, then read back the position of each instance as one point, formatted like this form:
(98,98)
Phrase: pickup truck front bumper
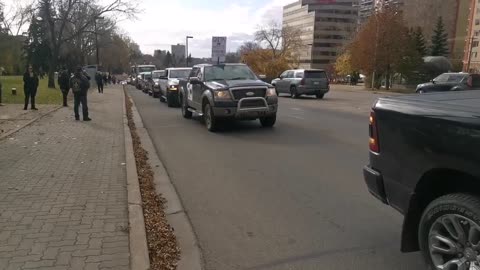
(374,181)
(246,108)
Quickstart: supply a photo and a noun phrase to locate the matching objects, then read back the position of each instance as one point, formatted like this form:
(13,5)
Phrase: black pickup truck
(425,162)
(227,92)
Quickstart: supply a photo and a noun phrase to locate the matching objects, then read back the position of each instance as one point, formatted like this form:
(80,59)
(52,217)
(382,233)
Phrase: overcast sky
(166,22)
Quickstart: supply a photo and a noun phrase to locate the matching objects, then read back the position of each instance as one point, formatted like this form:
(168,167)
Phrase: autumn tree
(439,44)
(343,65)
(379,46)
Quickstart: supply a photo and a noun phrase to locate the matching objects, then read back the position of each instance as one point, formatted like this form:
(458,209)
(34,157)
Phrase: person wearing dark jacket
(80,82)
(64,83)
(30,86)
(99,80)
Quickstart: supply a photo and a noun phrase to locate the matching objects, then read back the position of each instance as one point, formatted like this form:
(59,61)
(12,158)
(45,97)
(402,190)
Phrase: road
(291,197)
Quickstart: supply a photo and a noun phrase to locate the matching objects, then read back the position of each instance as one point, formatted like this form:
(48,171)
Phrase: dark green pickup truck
(227,92)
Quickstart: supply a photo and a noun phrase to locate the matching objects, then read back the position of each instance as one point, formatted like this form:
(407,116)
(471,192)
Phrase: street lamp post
(186,49)
(375,52)
(310,54)
(96,39)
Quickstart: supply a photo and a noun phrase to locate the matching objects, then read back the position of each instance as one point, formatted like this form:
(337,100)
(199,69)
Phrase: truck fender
(207,95)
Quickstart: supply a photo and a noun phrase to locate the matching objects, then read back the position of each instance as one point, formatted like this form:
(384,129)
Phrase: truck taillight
(373,132)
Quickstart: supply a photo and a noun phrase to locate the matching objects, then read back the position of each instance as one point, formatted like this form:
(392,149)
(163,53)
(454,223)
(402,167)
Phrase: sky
(166,22)
(162,23)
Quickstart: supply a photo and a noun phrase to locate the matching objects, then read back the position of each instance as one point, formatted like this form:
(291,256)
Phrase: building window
(477,22)
(475,44)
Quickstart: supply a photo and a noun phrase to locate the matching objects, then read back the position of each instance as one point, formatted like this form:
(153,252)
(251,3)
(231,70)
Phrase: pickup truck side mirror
(194,80)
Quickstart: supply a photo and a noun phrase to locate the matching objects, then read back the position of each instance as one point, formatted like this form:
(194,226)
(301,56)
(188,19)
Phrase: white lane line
(296,117)
(297,109)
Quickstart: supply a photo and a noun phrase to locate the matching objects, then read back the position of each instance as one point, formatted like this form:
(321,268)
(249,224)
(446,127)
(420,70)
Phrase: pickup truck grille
(242,93)
(255,103)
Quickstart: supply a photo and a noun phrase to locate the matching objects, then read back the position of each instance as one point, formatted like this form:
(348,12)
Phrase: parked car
(155,82)
(424,162)
(169,85)
(451,82)
(303,82)
(142,81)
(227,92)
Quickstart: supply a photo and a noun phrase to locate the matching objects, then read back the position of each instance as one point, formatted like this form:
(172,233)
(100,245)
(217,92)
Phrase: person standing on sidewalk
(99,80)
(80,82)
(64,83)
(30,86)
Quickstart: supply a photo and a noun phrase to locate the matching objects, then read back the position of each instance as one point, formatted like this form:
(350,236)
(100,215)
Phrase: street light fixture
(96,39)
(186,49)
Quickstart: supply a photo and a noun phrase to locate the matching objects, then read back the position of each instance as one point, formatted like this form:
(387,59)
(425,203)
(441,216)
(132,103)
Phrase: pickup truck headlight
(222,95)
(156,84)
(173,87)
(271,92)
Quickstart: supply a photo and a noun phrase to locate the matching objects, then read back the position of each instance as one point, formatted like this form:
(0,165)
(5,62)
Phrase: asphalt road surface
(291,197)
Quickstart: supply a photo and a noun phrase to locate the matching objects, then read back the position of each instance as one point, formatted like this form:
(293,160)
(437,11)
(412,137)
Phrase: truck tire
(293,92)
(320,96)
(170,101)
(268,121)
(211,122)
(449,231)
(185,112)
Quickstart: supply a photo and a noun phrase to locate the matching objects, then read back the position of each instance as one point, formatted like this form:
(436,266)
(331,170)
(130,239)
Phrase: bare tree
(248,47)
(16,18)
(63,24)
(280,40)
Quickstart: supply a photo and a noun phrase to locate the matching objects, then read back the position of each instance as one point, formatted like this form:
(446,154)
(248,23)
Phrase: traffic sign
(219,49)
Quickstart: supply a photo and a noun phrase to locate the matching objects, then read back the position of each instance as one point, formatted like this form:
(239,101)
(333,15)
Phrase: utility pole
(186,49)
(96,39)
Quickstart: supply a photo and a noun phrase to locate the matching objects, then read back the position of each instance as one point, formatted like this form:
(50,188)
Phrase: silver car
(156,76)
(299,82)
(169,84)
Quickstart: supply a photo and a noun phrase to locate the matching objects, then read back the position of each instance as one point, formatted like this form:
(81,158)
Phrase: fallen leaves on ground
(162,244)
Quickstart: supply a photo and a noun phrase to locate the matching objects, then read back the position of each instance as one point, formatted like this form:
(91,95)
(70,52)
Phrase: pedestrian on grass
(64,83)
(80,82)
(30,86)
(99,81)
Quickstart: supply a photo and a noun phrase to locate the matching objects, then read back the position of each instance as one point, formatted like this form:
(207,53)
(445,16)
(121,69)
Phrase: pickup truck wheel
(449,233)
(320,96)
(185,112)
(209,118)
(155,95)
(170,101)
(268,121)
(293,92)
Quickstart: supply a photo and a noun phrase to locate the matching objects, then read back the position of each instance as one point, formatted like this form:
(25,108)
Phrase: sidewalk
(12,116)
(63,195)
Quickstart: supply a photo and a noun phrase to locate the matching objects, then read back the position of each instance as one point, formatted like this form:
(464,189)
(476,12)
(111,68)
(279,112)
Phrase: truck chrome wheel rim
(454,243)
(208,116)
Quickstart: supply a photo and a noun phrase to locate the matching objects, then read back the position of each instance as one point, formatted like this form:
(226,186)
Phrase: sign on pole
(219,49)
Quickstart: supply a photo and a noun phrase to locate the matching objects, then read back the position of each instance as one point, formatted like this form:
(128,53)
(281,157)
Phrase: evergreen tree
(36,47)
(439,45)
(419,40)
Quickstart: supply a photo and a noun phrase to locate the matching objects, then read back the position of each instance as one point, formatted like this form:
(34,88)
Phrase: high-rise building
(365,10)
(326,27)
(178,51)
(471,59)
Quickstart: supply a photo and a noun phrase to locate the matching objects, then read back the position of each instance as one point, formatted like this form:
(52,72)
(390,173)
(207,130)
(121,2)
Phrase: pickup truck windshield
(179,73)
(229,72)
(145,69)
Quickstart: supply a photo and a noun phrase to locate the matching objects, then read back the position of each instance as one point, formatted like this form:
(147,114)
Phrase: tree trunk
(51,71)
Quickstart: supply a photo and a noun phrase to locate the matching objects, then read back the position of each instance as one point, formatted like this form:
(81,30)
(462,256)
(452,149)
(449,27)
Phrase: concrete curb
(191,256)
(10,133)
(139,258)
(378,92)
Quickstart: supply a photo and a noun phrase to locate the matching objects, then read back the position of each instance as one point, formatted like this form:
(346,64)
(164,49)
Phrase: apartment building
(471,59)
(326,27)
